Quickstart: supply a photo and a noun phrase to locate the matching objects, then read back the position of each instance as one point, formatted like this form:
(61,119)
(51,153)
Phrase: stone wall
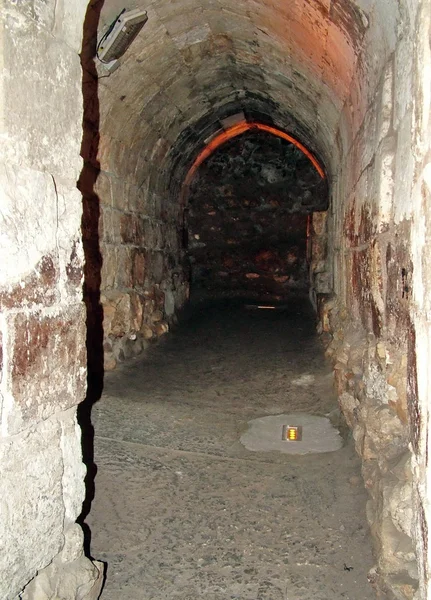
(42,322)
(419,383)
(348,79)
(367,325)
(143,278)
(248,209)
(355,89)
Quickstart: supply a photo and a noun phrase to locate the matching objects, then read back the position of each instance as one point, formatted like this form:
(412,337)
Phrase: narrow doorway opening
(193,500)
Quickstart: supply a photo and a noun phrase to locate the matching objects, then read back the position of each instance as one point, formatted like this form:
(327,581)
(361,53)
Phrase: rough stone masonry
(351,80)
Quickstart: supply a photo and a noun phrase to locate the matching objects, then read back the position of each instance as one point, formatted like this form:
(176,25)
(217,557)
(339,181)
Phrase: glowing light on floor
(291,433)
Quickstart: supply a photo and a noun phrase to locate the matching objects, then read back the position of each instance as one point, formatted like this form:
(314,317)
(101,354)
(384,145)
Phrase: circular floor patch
(318,435)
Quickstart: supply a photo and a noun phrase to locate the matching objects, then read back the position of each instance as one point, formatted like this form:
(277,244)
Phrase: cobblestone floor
(183,510)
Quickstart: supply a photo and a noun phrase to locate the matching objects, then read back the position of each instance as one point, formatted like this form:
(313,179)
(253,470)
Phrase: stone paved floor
(182,510)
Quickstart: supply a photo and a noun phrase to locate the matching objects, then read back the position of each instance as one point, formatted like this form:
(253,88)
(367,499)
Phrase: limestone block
(128,346)
(53,77)
(73,543)
(120,194)
(169,303)
(403,77)
(138,268)
(122,312)
(161,328)
(403,468)
(384,113)
(383,181)
(110,226)
(375,381)
(73,469)
(323,283)
(386,432)
(36,289)
(104,153)
(81,579)
(109,361)
(319,250)
(156,266)
(40,222)
(396,550)
(404,171)
(28,220)
(124,278)
(156,316)
(109,266)
(103,189)
(399,506)
(137,196)
(152,234)
(74,270)
(42,348)
(147,332)
(31,504)
(69,17)
(40,12)
(132,229)
(349,404)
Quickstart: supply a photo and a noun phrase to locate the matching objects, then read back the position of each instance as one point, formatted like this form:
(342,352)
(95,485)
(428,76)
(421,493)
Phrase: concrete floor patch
(318,435)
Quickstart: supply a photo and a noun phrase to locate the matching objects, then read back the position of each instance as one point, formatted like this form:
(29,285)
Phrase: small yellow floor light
(292,433)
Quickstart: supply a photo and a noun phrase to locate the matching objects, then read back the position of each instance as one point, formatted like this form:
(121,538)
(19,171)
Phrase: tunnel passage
(332,74)
(350,79)
(247,216)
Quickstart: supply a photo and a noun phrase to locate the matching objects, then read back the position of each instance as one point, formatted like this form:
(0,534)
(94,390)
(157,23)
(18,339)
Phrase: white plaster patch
(193,36)
(318,435)
(386,191)
(73,468)
(304,380)
(27,206)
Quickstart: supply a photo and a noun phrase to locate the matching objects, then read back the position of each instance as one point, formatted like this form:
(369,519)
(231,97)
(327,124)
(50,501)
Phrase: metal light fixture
(120,35)
(291,433)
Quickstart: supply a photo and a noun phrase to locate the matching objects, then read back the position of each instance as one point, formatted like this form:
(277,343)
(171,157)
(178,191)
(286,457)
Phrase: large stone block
(139,268)
(132,228)
(69,18)
(52,76)
(27,220)
(46,354)
(31,504)
(37,288)
(123,276)
(81,579)
(109,266)
(122,312)
(73,470)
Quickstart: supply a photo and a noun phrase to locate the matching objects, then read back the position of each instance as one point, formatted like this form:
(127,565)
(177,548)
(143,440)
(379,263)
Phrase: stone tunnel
(250,148)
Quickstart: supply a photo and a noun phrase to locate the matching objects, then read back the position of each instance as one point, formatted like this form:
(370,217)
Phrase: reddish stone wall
(143,282)
(248,211)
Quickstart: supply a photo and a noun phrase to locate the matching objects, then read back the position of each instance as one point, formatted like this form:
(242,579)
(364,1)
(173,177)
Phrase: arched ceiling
(307,66)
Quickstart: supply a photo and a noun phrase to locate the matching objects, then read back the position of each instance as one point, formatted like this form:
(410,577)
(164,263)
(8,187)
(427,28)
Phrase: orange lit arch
(236,130)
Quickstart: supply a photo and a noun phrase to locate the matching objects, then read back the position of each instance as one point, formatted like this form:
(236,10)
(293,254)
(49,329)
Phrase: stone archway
(350,80)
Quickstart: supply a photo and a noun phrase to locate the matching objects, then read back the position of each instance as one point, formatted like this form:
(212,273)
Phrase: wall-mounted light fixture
(120,35)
